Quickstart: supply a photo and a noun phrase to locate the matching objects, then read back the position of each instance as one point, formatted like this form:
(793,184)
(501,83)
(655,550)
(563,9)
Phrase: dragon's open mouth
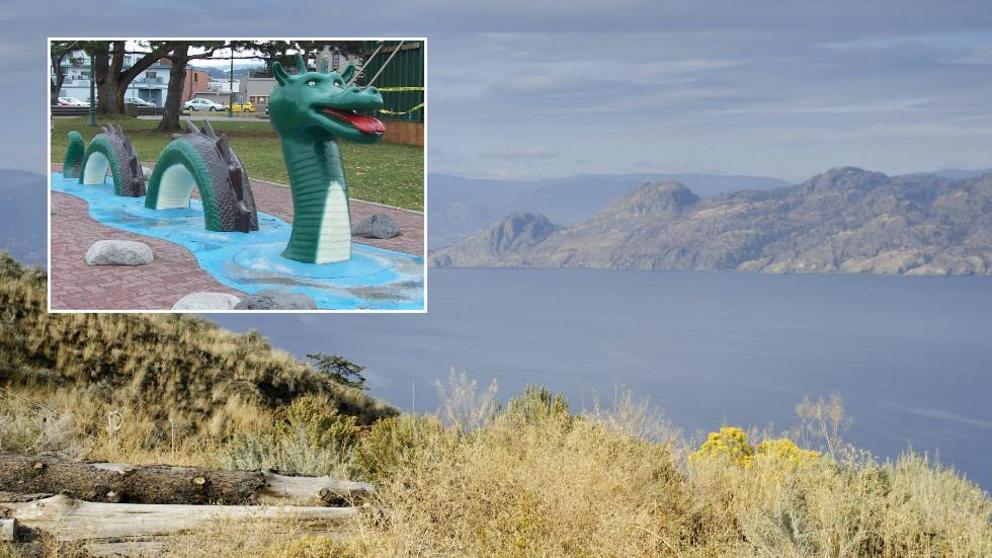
(368,125)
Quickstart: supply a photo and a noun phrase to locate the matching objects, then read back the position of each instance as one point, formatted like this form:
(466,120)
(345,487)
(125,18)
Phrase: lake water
(911,357)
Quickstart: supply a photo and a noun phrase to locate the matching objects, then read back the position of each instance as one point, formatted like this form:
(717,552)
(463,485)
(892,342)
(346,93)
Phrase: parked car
(200,103)
(72,102)
(246,106)
(138,101)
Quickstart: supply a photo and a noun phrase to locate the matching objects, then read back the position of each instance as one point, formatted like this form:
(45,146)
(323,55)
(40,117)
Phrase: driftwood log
(70,519)
(162,484)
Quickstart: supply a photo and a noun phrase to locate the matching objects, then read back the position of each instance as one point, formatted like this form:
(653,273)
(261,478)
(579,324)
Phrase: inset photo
(228,175)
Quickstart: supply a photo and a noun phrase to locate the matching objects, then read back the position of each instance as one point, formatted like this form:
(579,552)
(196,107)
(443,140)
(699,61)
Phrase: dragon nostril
(372,90)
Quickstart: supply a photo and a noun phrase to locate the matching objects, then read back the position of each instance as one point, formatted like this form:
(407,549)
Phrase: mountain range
(843,220)
(459,207)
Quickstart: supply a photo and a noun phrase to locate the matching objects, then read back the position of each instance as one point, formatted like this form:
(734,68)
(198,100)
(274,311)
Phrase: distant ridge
(844,220)
(460,206)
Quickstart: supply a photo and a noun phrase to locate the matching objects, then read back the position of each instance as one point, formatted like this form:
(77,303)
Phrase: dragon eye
(312,83)
(339,83)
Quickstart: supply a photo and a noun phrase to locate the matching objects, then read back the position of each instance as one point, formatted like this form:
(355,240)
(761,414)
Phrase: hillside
(844,220)
(184,375)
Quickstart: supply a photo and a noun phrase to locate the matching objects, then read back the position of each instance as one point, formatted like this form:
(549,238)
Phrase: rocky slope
(844,220)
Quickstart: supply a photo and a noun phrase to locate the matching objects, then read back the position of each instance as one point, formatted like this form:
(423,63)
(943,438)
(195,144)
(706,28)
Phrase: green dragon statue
(203,160)
(110,151)
(311,111)
(73,164)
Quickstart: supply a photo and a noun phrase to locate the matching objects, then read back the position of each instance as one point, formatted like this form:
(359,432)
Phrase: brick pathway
(174,273)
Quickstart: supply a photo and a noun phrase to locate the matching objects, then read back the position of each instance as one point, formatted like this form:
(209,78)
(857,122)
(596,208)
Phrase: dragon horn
(208,129)
(301,64)
(324,65)
(191,128)
(224,147)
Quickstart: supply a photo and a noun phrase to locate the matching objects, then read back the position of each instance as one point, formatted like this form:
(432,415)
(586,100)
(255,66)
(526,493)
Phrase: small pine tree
(339,369)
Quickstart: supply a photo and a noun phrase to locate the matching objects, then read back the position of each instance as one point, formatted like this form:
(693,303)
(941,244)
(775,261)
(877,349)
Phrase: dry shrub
(396,444)
(309,437)
(781,500)
(29,426)
(535,481)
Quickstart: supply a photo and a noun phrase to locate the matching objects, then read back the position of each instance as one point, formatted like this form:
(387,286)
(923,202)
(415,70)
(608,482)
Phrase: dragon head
(323,105)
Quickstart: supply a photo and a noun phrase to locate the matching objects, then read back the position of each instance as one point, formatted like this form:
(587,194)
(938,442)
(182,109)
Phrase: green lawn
(384,173)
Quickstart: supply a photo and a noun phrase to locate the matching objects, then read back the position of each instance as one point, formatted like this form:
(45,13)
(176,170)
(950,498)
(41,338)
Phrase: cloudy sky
(539,88)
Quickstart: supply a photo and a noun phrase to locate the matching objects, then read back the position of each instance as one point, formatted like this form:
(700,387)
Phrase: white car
(203,104)
(72,102)
(139,102)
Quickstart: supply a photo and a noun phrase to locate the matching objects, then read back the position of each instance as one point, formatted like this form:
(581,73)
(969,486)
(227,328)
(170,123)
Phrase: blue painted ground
(374,278)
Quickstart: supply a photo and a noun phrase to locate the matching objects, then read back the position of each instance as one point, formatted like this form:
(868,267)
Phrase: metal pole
(92,112)
(230,88)
(365,64)
(384,64)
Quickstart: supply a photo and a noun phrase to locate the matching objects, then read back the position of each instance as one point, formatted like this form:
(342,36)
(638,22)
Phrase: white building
(219,85)
(150,85)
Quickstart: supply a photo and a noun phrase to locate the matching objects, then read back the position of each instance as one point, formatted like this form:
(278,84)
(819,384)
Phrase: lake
(911,356)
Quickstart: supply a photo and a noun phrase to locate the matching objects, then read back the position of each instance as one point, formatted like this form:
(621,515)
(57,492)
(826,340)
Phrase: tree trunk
(162,484)
(69,519)
(107,83)
(99,73)
(59,76)
(127,76)
(174,97)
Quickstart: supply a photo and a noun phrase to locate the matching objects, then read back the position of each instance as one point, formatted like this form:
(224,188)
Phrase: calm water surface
(912,357)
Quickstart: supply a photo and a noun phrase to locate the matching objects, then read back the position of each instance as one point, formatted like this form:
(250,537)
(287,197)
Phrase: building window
(196,77)
(150,75)
(336,61)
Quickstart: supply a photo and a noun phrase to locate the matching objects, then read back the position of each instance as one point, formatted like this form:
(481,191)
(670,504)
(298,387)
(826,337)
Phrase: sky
(533,89)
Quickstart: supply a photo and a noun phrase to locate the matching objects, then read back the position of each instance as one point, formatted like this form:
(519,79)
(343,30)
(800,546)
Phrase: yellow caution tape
(394,113)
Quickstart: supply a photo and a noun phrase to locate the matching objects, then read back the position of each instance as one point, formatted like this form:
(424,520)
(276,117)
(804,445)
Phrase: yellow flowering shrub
(729,443)
(784,450)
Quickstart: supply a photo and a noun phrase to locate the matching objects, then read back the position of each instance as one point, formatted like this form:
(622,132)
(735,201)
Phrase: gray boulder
(276,300)
(377,225)
(206,301)
(119,252)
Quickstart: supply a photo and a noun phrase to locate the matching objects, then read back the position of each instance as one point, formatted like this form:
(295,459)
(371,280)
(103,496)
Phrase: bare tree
(823,421)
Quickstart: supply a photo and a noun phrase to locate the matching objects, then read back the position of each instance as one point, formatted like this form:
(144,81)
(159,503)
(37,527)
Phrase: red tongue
(364,124)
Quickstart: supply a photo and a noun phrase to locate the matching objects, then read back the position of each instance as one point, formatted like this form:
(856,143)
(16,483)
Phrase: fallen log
(163,484)
(70,519)
(8,530)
